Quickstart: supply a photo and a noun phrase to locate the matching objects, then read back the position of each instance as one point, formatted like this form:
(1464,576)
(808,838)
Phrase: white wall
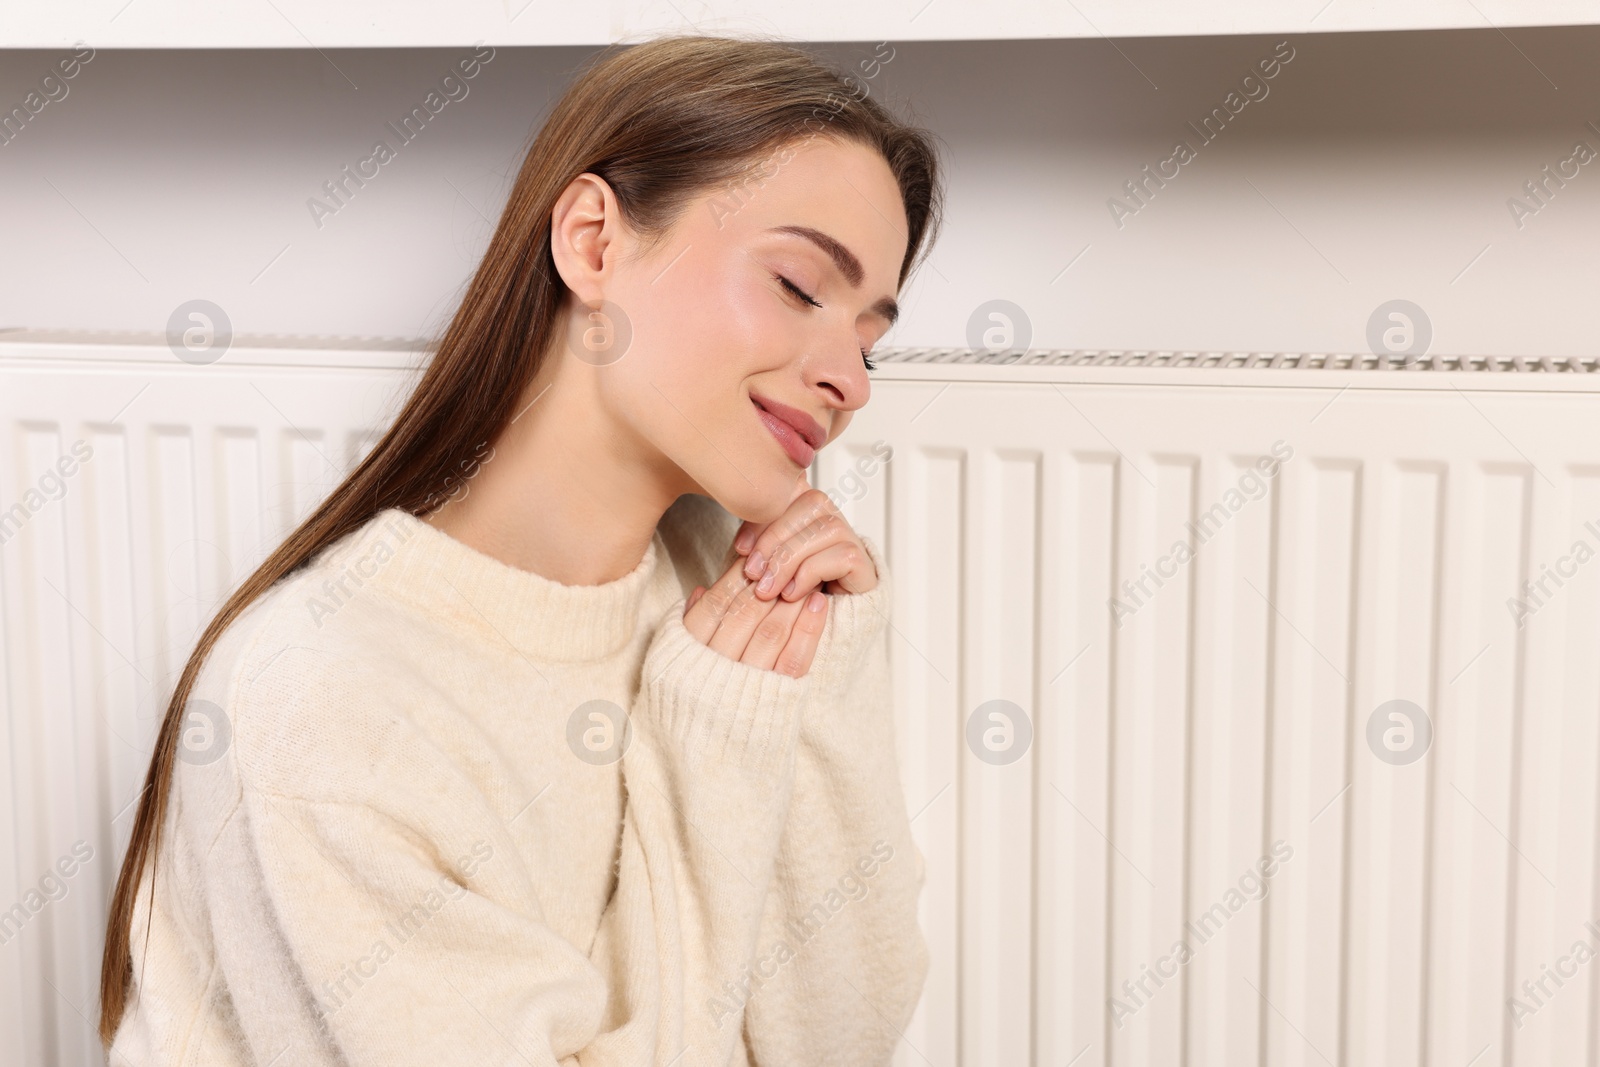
(1380,164)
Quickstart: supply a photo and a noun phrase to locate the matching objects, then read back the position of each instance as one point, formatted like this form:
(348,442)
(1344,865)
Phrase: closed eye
(809,299)
(796,290)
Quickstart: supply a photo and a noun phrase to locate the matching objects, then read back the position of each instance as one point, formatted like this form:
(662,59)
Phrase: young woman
(589,759)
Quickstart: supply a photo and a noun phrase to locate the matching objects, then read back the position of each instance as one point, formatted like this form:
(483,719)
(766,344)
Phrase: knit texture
(433,809)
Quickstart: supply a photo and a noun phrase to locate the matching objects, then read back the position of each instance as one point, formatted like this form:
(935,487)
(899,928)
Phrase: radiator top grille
(1339,361)
(1034,357)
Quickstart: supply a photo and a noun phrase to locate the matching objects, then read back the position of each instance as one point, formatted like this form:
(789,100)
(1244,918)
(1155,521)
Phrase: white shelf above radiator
(303,24)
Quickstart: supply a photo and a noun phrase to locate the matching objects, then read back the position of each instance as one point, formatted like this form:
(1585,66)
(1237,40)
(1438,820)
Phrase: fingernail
(766,582)
(815,603)
(742,542)
(790,588)
(755,564)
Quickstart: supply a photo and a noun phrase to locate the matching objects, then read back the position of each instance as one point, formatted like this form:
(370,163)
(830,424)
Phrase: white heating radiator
(1178,720)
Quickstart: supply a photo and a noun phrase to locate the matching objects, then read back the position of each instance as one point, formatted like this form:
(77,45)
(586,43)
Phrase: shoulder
(288,703)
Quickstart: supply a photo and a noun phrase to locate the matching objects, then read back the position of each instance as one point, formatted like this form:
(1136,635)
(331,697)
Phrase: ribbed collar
(456,584)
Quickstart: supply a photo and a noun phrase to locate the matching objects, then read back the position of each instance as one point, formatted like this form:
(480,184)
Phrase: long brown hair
(661,122)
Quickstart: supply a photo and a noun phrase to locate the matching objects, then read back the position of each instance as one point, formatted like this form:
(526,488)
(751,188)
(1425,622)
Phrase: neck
(566,492)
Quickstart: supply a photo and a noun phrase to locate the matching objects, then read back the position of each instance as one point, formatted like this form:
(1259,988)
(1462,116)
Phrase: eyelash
(796,290)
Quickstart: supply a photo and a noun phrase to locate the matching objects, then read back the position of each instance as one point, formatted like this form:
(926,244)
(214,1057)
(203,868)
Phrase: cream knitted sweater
(433,809)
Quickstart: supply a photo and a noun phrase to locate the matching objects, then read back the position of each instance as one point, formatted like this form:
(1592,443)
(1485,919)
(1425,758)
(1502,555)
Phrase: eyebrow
(847,263)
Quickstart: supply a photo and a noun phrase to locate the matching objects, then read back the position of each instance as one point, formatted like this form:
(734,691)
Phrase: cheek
(701,331)
(707,331)
(698,334)
(736,310)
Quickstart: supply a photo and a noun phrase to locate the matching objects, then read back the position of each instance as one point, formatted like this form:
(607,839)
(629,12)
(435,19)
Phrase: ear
(585,225)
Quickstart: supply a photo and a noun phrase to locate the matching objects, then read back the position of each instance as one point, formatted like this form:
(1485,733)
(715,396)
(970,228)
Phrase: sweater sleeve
(840,960)
(709,778)
(379,927)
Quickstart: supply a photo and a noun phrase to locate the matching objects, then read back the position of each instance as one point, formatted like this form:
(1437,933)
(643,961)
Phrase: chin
(763,502)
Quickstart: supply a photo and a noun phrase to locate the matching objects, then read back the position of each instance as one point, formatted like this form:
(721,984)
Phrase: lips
(798,433)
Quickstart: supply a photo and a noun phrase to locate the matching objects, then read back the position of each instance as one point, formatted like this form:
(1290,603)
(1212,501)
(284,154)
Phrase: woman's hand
(808,547)
(773,635)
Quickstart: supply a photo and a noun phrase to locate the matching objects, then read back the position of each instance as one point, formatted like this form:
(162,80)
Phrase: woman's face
(723,353)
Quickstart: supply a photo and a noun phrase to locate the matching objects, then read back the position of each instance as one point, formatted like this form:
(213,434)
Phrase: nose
(840,377)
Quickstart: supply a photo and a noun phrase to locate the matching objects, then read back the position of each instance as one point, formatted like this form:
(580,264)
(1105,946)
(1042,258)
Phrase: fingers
(773,635)
(750,531)
(786,557)
(808,517)
(826,551)
(728,616)
(705,611)
(706,614)
(805,635)
(746,537)
(804,510)
(844,564)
